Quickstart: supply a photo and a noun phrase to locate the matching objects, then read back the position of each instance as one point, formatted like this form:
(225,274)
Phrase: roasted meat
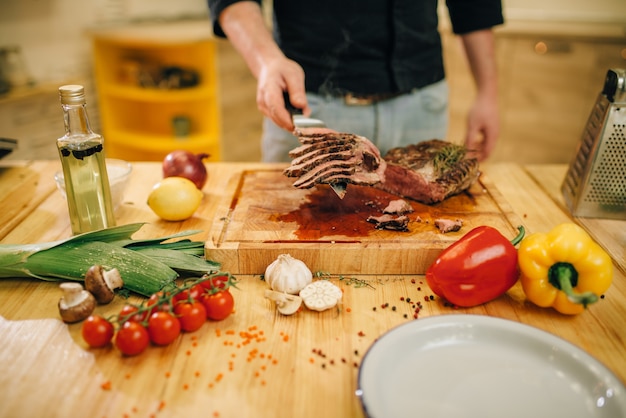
(448,225)
(398,207)
(326,156)
(390,222)
(426,172)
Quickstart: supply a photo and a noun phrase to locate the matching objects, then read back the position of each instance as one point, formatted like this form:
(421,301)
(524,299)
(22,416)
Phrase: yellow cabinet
(158,90)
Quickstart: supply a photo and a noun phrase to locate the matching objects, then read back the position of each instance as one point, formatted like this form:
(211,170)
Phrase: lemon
(174,198)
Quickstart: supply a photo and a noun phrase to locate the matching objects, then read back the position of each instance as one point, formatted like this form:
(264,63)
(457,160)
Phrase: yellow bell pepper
(564,269)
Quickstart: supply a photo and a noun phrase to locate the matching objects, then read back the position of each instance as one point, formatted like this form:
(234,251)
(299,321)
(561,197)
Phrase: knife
(301,121)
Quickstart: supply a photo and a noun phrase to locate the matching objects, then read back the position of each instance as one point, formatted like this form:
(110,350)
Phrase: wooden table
(256,362)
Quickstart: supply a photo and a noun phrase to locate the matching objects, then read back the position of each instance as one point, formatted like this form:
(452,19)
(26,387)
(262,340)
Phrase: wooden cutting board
(262,215)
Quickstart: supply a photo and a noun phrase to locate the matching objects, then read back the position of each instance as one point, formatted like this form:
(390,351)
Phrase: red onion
(186,164)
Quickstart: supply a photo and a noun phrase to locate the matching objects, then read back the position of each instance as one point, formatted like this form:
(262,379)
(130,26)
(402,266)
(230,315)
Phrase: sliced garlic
(321,295)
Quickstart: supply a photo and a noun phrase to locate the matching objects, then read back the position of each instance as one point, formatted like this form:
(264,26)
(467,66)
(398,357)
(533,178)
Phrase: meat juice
(265,201)
(87,186)
(324,214)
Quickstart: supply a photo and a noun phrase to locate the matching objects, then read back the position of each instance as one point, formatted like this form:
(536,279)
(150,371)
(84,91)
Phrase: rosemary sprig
(447,157)
(350,281)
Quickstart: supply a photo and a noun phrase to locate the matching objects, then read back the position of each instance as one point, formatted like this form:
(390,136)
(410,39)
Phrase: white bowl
(119,173)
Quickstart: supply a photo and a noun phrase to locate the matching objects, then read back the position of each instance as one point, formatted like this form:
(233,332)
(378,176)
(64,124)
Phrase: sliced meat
(398,207)
(331,157)
(394,223)
(448,225)
(427,172)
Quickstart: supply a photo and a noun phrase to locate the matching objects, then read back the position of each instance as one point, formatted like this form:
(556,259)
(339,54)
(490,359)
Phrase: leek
(146,265)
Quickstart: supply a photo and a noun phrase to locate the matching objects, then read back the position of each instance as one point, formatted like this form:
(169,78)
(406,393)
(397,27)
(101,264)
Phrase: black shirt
(368,46)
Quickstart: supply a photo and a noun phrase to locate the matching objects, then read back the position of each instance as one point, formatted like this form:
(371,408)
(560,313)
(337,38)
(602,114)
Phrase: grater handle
(615,85)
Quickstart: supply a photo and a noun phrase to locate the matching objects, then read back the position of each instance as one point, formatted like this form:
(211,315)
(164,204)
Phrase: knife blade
(301,121)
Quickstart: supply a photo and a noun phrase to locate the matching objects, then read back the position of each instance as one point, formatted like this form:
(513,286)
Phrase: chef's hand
(483,125)
(244,24)
(275,78)
(483,128)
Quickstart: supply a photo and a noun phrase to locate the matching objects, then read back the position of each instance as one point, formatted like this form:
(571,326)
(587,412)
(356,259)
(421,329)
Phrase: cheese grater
(595,183)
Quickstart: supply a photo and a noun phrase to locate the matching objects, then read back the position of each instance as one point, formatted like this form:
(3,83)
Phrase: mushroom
(76,303)
(287,304)
(102,283)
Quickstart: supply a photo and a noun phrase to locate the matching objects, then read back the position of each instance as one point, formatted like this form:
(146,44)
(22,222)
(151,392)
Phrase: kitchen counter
(255,363)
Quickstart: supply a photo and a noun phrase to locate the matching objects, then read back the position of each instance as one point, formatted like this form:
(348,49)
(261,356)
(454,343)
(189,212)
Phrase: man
(369,67)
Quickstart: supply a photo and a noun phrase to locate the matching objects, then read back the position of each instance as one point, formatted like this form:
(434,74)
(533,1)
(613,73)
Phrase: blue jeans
(407,119)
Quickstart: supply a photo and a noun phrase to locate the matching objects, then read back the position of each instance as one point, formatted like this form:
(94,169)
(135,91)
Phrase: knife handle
(290,107)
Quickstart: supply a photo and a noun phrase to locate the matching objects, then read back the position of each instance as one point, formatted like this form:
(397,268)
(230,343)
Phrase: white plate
(479,366)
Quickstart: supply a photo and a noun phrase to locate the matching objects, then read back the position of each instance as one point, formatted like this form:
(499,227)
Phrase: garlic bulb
(287,274)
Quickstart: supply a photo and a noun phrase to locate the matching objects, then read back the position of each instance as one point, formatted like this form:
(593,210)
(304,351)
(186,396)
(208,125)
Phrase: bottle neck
(76,120)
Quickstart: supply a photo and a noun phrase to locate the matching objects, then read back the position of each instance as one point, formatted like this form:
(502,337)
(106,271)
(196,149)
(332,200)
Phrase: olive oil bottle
(84,167)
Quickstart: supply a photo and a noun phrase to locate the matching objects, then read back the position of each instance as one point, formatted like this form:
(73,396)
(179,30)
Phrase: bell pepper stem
(564,276)
(520,235)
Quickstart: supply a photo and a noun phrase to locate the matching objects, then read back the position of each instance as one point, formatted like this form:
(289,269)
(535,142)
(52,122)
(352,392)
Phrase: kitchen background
(552,58)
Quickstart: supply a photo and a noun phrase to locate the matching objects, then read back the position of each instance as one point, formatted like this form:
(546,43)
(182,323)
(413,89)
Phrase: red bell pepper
(479,267)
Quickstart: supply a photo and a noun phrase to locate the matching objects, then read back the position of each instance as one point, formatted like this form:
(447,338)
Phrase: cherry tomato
(132,338)
(129,313)
(187,295)
(218,305)
(97,331)
(191,315)
(215,283)
(163,328)
(158,302)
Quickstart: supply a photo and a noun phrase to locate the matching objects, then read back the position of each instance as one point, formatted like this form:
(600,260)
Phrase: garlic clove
(286,304)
